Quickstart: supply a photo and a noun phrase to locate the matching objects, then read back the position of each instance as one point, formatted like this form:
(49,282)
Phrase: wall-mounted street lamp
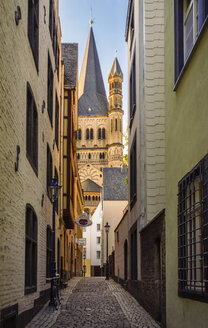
(107,228)
(53,191)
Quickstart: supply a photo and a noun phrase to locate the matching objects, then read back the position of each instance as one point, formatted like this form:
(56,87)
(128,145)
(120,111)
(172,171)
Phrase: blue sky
(109,32)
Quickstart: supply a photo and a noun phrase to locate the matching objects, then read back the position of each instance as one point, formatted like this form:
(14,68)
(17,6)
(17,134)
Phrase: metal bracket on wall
(17,15)
(44,8)
(42,200)
(16,164)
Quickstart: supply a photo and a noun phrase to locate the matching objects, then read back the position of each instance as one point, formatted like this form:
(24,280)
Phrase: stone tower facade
(115,114)
(99,134)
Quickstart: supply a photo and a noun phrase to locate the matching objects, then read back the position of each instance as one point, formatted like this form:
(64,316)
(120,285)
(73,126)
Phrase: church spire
(91,86)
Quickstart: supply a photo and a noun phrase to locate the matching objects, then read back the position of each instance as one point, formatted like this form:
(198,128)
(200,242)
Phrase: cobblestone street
(94,302)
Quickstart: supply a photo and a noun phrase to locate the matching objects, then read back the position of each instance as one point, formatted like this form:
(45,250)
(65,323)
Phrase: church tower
(115,113)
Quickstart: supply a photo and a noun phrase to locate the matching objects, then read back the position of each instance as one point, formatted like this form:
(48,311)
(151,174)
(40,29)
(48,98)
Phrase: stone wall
(23,186)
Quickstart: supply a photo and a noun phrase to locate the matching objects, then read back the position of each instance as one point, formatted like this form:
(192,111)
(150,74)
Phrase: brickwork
(154,107)
(153,296)
(23,186)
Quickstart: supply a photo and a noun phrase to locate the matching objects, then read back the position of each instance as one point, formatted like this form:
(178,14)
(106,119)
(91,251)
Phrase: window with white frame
(98,240)
(190,19)
(98,227)
(98,255)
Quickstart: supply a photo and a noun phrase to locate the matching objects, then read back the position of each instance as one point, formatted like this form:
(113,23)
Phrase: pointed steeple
(92,95)
(116,67)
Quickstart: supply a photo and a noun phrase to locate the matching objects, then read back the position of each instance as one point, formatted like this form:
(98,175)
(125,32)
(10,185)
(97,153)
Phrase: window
(87,134)
(98,240)
(79,134)
(99,133)
(103,133)
(91,134)
(116,124)
(98,227)
(102,155)
(133,173)
(117,236)
(134,252)
(56,202)
(89,156)
(49,167)
(190,17)
(89,197)
(49,252)
(30,250)
(111,125)
(120,125)
(193,233)
(33,28)
(78,156)
(132,90)
(32,130)
(57,122)
(132,28)
(98,255)
(50,91)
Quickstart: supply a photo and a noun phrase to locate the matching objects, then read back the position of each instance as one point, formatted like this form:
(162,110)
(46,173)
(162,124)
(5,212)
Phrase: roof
(116,67)
(92,95)
(114,184)
(70,58)
(89,185)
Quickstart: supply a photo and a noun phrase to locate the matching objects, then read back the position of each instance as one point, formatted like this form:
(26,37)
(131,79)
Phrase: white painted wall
(91,235)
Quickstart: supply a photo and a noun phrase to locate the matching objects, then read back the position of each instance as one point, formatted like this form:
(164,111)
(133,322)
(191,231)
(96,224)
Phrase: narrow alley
(94,302)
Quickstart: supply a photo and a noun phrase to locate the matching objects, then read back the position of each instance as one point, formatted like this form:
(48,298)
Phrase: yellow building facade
(186,67)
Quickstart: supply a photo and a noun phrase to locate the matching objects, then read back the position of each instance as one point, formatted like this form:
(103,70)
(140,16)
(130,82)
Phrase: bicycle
(56,286)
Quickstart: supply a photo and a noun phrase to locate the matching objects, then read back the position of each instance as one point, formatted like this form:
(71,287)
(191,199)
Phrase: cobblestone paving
(94,302)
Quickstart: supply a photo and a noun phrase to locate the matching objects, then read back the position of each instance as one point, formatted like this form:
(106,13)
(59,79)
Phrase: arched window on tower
(89,156)
(99,133)
(103,133)
(91,134)
(89,197)
(116,124)
(78,156)
(87,134)
(79,134)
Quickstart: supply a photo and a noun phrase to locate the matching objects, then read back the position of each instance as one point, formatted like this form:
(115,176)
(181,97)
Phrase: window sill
(29,290)
(193,296)
(179,78)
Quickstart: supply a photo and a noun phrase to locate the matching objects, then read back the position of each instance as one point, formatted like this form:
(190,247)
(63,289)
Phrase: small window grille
(193,233)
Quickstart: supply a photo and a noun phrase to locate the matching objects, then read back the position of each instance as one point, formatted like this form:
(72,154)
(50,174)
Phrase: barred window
(49,252)
(33,28)
(50,91)
(193,233)
(30,250)
(32,130)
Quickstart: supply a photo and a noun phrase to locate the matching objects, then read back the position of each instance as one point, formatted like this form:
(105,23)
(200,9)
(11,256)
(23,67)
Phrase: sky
(109,31)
